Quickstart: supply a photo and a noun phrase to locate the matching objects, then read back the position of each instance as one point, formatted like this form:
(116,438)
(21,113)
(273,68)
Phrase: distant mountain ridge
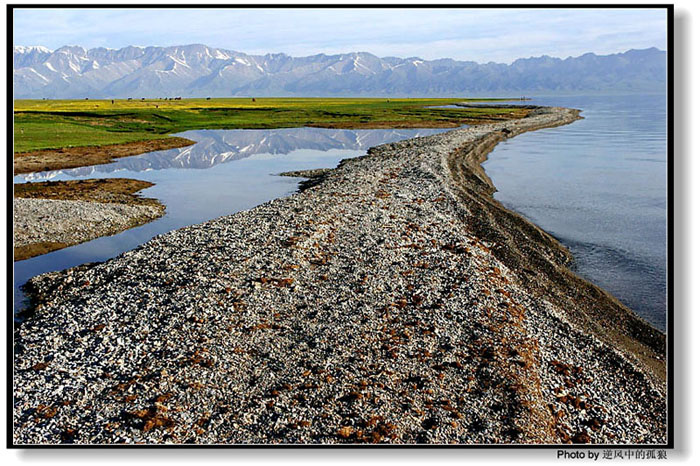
(196,70)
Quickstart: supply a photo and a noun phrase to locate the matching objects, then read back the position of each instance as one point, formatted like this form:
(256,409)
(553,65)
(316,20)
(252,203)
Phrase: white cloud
(466,34)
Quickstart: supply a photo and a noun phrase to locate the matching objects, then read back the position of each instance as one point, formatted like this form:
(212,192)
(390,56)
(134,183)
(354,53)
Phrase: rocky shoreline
(54,215)
(394,301)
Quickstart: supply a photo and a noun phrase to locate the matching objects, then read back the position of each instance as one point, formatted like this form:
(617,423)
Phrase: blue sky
(484,35)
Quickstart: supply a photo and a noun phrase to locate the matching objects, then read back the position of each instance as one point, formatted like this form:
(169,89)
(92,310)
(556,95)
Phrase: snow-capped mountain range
(199,71)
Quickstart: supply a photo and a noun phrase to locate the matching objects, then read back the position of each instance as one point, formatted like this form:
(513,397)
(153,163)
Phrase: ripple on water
(599,185)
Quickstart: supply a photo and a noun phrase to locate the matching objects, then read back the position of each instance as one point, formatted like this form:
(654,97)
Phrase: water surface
(599,186)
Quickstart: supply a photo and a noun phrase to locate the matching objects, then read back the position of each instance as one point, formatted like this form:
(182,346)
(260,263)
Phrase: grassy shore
(57,124)
(83,156)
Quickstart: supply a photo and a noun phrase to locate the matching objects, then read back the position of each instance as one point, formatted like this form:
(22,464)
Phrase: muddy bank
(395,301)
(74,157)
(52,215)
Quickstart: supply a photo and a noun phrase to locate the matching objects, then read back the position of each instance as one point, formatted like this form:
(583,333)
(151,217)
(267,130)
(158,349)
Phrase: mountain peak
(196,70)
(31,48)
(74,49)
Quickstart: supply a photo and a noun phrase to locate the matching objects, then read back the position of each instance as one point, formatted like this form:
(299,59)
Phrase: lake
(598,185)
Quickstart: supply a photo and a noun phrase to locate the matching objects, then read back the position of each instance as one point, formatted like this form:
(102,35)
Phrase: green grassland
(54,124)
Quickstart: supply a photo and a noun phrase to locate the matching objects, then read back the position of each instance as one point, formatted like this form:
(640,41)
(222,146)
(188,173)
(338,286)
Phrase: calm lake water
(225,172)
(598,185)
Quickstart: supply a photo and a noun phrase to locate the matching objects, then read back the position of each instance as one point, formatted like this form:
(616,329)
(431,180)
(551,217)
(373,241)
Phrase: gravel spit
(393,302)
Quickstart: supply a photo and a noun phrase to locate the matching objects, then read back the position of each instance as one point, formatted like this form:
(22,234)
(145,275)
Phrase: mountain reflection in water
(214,147)
(226,171)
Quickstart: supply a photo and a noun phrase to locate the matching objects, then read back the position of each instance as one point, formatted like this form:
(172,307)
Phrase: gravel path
(395,301)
